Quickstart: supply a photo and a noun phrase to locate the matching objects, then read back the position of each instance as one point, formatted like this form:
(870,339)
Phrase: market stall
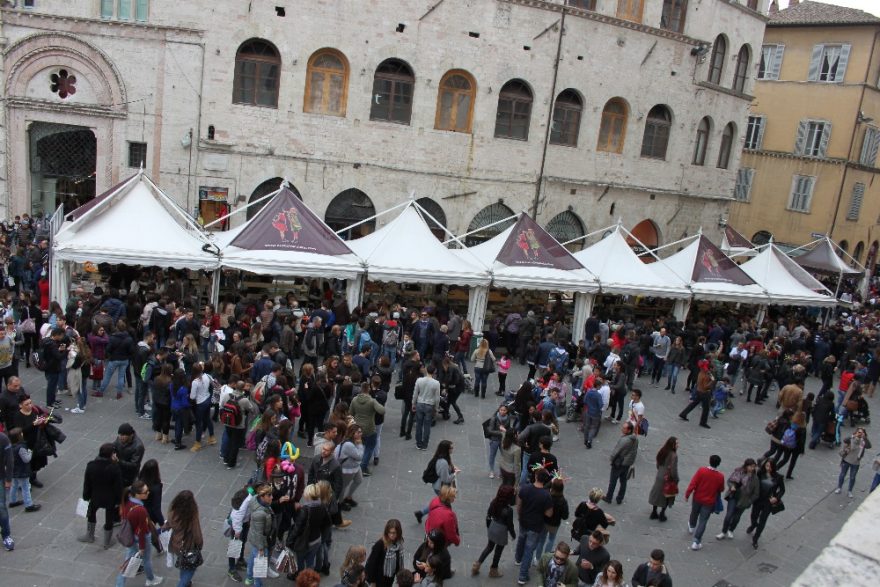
(821,257)
(733,244)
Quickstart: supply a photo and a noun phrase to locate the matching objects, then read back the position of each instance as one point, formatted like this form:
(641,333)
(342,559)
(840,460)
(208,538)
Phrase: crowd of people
(306,389)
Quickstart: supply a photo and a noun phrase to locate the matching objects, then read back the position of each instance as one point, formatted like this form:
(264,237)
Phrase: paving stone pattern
(47,553)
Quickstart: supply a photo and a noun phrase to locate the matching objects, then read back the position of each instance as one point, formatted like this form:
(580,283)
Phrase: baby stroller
(831,435)
(857,410)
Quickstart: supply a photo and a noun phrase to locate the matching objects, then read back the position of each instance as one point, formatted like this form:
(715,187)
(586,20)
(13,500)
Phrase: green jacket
(363,409)
(569,576)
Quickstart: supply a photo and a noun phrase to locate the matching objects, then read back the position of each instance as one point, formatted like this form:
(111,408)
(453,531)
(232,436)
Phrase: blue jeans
(140,394)
(250,566)
(307,559)
(82,394)
(526,545)
(186,577)
(424,417)
(481,382)
(524,473)
(5,531)
(699,516)
(109,367)
(672,376)
(51,388)
(203,419)
(549,542)
(844,467)
(224,443)
(62,376)
(148,562)
(378,448)
(22,484)
(875,482)
(369,447)
(815,433)
(494,445)
(390,351)
(461,362)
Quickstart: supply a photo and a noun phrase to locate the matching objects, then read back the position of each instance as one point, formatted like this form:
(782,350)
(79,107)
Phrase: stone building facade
(581,112)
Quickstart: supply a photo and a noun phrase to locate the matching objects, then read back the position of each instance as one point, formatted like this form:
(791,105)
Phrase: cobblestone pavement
(47,553)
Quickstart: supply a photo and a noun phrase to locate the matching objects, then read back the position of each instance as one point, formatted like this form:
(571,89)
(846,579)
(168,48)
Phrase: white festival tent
(734,244)
(785,280)
(134,223)
(526,256)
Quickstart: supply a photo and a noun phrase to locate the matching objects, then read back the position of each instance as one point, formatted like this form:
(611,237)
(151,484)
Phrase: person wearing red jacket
(441,516)
(706,487)
(133,511)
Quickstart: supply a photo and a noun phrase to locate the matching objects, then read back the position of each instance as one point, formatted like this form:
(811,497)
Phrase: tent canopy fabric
(525,256)
(406,251)
(824,259)
(620,271)
(136,224)
(286,238)
(735,244)
(778,274)
(711,274)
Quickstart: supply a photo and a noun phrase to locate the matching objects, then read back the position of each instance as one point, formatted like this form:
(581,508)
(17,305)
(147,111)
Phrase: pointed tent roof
(824,259)
(136,224)
(286,238)
(526,256)
(711,274)
(98,199)
(620,271)
(406,251)
(784,280)
(734,244)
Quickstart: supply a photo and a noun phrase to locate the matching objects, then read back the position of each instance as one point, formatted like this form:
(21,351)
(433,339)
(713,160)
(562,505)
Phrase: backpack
(390,337)
(430,474)
(259,389)
(559,358)
(578,528)
(125,536)
(230,413)
(789,438)
(146,372)
(363,339)
(38,357)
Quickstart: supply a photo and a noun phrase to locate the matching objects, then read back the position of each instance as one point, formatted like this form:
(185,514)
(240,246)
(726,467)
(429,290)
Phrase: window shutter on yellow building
(815,62)
(775,65)
(826,136)
(800,141)
(841,64)
(870,146)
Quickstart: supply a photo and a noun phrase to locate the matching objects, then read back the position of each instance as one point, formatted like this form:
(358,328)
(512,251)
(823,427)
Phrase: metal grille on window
(347,208)
(855,202)
(566,226)
(489,215)
(434,209)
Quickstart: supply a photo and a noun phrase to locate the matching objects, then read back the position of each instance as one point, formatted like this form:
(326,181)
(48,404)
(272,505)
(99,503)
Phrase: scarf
(389,566)
(554,573)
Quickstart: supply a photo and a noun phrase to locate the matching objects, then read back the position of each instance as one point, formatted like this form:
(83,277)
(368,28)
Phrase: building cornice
(637,188)
(746,10)
(730,92)
(606,19)
(55,107)
(25,18)
(786,155)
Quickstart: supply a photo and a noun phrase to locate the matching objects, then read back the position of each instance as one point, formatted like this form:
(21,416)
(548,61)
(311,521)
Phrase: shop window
(350,207)
(213,204)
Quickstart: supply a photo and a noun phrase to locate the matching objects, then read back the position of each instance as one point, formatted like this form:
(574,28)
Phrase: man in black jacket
(120,350)
(54,355)
(451,383)
(102,488)
(327,468)
(129,452)
(653,569)
(9,401)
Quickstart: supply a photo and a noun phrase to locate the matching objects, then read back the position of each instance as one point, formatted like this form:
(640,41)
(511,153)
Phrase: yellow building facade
(810,159)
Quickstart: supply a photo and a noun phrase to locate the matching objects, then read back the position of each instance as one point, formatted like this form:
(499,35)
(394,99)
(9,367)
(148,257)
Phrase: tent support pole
(583,307)
(215,288)
(478,300)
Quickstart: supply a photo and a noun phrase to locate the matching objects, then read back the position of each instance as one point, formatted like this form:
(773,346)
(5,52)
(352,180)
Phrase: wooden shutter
(801,139)
(738,188)
(826,136)
(759,140)
(815,63)
(841,63)
(865,157)
(750,176)
(875,146)
(775,66)
(855,203)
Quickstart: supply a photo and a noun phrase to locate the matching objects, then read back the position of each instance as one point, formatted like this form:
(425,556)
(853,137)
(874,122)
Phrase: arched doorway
(872,257)
(566,226)
(762,237)
(857,252)
(488,215)
(347,208)
(646,233)
(264,189)
(434,209)
(844,248)
(63,162)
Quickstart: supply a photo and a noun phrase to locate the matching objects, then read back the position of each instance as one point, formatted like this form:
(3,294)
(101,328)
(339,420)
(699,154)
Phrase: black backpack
(430,475)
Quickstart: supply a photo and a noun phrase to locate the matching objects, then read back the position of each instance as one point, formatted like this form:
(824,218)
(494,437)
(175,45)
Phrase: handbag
(777,507)
(487,427)
(489,362)
(719,505)
(97,372)
(28,326)
(852,405)
(398,391)
(670,486)
(189,560)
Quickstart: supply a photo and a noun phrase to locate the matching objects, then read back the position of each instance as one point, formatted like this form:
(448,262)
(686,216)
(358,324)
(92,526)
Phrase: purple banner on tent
(735,239)
(529,245)
(286,223)
(713,266)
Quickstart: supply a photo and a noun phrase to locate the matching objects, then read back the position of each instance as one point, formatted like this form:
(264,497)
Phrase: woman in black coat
(386,556)
(102,488)
(772,488)
(150,475)
(435,543)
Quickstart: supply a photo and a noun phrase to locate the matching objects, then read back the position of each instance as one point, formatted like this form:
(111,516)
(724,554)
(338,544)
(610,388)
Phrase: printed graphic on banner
(713,266)
(530,245)
(735,239)
(285,223)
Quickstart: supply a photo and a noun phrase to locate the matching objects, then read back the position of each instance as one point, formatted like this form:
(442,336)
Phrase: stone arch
(647,232)
(566,226)
(264,189)
(488,215)
(349,207)
(36,53)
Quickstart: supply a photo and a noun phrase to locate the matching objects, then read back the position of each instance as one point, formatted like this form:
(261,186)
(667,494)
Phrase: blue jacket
(262,368)
(593,403)
(180,399)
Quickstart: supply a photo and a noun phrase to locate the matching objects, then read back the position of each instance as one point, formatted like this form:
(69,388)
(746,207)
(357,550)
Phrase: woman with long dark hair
(150,475)
(445,472)
(509,458)
(772,488)
(501,515)
(186,535)
(386,556)
(162,392)
(666,479)
(133,511)
(618,392)
(30,314)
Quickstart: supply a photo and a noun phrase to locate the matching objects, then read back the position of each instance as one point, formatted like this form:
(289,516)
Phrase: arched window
(392,92)
(566,118)
(762,237)
(630,10)
(566,226)
(656,137)
(514,111)
(326,83)
(612,131)
(857,252)
(455,101)
(727,137)
(264,189)
(742,69)
(716,64)
(257,70)
(434,209)
(702,142)
(347,208)
(844,248)
(489,215)
(645,236)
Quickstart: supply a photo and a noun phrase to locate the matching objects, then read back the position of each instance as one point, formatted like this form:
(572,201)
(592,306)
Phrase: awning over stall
(785,280)
(735,245)
(823,258)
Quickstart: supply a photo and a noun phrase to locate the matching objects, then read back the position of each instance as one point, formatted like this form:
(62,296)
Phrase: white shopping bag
(261,567)
(233,550)
(165,539)
(82,508)
(131,566)
(169,560)
(281,560)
